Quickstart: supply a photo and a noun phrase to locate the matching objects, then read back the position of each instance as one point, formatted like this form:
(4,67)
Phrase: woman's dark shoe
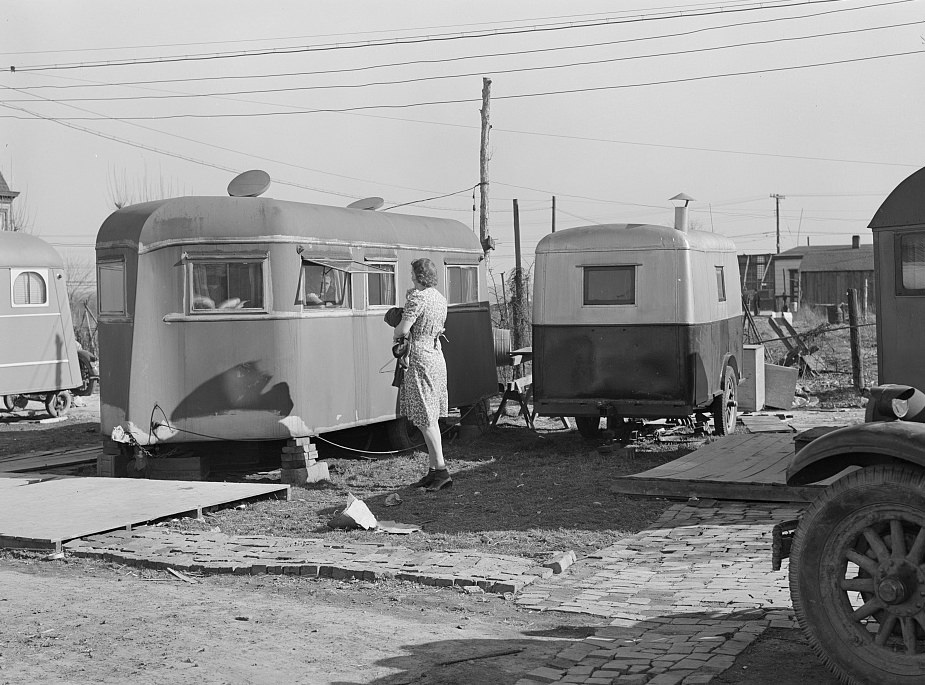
(426,480)
(441,480)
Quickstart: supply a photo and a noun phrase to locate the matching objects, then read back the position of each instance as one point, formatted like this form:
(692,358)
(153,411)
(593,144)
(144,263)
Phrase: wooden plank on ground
(37,461)
(765,424)
(740,467)
(47,511)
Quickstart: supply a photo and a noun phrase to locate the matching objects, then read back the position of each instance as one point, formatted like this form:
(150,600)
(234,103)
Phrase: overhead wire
(455,36)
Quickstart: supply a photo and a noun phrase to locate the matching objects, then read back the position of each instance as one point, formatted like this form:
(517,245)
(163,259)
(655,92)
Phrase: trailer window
(462,284)
(30,288)
(110,280)
(227,286)
(609,285)
(912,263)
(720,284)
(324,286)
(380,285)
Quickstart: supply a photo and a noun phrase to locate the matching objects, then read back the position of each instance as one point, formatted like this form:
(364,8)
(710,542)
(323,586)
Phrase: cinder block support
(299,463)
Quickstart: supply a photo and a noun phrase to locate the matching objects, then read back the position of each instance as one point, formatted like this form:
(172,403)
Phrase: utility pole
(553,213)
(518,310)
(484,238)
(777,199)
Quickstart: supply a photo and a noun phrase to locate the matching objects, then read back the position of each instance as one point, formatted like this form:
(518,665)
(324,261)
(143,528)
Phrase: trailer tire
(856,576)
(58,403)
(15,402)
(589,427)
(725,404)
(404,435)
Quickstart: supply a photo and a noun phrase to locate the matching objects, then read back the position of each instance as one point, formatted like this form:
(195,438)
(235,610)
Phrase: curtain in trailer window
(227,286)
(30,288)
(325,286)
(381,285)
(462,284)
(912,260)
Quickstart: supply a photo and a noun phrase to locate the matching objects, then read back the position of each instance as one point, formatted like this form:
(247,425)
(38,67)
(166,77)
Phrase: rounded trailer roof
(904,206)
(629,237)
(21,249)
(188,220)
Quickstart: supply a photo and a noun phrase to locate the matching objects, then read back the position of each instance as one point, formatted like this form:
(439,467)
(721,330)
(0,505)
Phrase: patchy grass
(515,492)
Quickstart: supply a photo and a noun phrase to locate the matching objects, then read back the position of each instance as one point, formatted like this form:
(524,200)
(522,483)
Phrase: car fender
(866,444)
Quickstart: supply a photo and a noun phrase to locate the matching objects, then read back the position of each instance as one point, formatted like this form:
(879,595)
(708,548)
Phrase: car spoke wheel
(857,576)
(725,406)
(87,383)
(589,427)
(58,403)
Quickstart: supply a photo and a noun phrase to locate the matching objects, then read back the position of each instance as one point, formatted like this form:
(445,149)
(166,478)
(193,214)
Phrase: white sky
(835,140)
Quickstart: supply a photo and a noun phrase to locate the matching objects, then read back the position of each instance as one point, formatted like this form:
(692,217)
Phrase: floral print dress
(423,395)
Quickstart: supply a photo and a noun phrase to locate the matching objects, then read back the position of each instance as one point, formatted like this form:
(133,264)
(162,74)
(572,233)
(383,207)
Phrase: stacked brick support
(299,463)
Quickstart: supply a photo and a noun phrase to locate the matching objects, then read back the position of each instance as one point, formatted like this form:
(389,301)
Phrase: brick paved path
(683,598)
(161,548)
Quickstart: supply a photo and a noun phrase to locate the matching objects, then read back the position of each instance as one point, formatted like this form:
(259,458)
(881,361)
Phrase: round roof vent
(249,184)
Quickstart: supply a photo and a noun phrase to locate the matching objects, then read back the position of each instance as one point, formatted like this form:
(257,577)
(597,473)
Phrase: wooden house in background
(6,205)
(757,280)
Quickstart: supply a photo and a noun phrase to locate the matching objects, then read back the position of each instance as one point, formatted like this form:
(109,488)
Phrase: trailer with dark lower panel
(857,555)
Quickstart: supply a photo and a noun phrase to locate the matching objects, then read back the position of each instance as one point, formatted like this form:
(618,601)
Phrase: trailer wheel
(404,435)
(725,405)
(15,402)
(58,403)
(857,578)
(589,427)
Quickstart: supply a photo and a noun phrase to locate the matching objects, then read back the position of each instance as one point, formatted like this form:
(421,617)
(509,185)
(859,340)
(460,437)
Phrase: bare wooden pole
(518,314)
(857,360)
(483,167)
(553,213)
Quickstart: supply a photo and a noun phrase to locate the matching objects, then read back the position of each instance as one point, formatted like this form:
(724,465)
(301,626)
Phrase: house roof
(805,250)
(840,259)
(5,191)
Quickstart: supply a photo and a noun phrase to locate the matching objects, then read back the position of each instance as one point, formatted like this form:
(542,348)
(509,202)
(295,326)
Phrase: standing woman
(423,395)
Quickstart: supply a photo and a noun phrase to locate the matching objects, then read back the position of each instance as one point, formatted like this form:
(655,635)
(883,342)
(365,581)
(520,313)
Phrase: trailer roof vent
(249,184)
(371,203)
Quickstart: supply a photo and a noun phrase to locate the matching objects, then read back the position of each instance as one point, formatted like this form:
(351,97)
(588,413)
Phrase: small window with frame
(110,280)
(223,285)
(29,287)
(325,287)
(380,285)
(462,284)
(910,271)
(720,284)
(610,285)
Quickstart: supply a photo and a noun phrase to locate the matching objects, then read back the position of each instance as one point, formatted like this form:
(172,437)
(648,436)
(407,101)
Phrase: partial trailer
(38,350)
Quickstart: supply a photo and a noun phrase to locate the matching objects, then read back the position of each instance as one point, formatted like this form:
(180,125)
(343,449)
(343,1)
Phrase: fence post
(857,361)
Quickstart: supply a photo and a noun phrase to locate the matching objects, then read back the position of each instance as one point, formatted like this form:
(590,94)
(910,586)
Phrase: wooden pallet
(737,467)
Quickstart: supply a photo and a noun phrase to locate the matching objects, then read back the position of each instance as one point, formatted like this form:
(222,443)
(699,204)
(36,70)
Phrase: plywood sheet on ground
(44,511)
(738,467)
(51,459)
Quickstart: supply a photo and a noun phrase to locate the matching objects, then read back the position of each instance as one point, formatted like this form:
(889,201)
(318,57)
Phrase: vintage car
(857,555)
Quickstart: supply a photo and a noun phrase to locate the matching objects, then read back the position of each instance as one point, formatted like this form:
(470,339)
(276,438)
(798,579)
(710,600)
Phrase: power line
(570,65)
(674,14)
(569,91)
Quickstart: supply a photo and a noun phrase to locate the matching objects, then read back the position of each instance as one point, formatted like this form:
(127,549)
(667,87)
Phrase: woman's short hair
(425,271)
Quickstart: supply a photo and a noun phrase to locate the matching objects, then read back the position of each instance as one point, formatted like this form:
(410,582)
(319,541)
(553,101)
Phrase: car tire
(725,405)
(58,403)
(857,578)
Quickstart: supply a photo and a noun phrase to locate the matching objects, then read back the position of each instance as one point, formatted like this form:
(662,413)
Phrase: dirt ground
(82,621)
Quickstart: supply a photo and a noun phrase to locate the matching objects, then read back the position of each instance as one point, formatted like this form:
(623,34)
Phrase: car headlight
(891,402)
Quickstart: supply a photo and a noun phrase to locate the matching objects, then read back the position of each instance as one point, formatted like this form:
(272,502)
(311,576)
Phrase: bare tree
(124,192)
